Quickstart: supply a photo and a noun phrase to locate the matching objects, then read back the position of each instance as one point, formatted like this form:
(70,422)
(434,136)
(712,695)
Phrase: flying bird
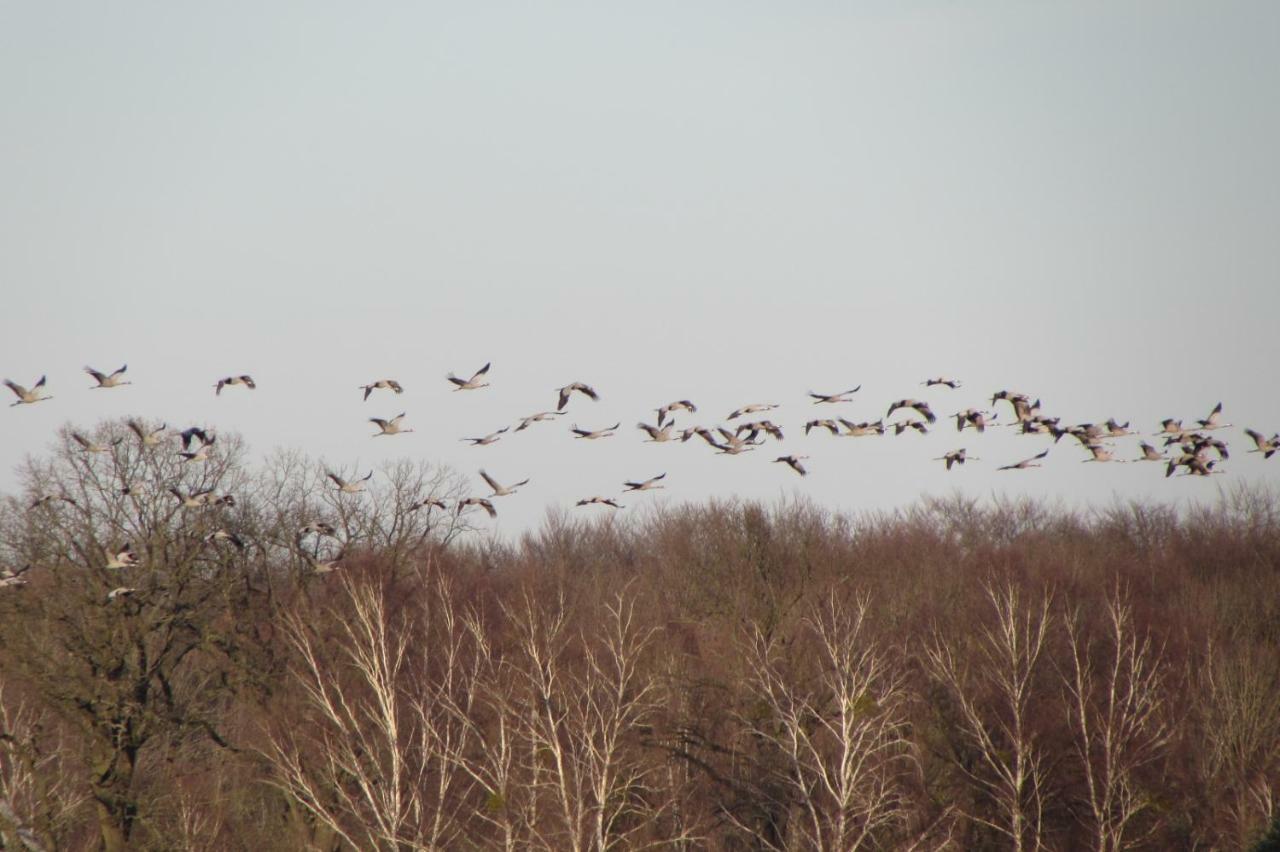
(223,534)
(646,485)
(26,397)
(658,434)
(751,409)
(326,566)
(793,462)
(485,441)
(245,380)
(93,446)
(318,528)
(477,501)
(1150,453)
(830,425)
(951,383)
(1266,446)
(148,437)
(918,425)
(599,501)
(113,380)
(567,390)
(956,457)
(1025,463)
(500,490)
(593,435)
(1101,454)
(389,427)
(1214,420)
(125,558)
(471,383)
(13,576)
(971,417)
(678,405)
(922,407)
(122,591)
(195,433)
(353,487)
(526,422)
(381,384)
(843,396)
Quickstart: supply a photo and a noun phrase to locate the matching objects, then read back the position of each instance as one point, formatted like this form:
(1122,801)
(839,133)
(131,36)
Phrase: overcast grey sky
(732,202)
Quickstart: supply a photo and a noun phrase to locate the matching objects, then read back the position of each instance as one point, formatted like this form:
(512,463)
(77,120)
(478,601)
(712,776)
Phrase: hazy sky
(732,202)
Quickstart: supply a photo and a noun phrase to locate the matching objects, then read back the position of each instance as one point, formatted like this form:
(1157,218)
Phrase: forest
(234,655)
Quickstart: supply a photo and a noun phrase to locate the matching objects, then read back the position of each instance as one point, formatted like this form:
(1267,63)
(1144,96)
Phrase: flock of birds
(1193,448)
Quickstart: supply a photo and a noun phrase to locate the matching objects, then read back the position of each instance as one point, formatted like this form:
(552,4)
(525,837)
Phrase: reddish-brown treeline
(725,676)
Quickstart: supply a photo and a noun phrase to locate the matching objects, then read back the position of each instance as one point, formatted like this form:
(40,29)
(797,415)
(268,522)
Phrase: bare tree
(840,733)
(1116,706)
(140,670)
(993,699)
(594,788)
(379,762)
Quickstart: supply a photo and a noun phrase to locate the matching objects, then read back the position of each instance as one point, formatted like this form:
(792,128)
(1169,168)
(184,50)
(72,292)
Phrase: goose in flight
(647,485)
(200,455)
(598,433)
(13,576)
(125,558)
(918,425)
(1101,454)
(427,503)
(956,457)
(476,501)
(381,384)
(48,500)
(121,592)
(105,380)
(500,490)
(658,434)
(326,566)
(830,425)
(1214,420)
(566,391)
(921,407)
(751,409)
(245,380)
(941,380)
(863,429)
(1115,429)
(471,383)
(389,427)
(843,396)
(733,443)
(223,534)
(26,397)
(755,427)
(1169,426)
(195,433)
(1266,446)
(1200,445)
(678,405)
(1150,453)
(93,446)
(318,528)
(599,501)
(353,487)
(199,499)
(491,438)
(148,437)
(526,422)
(1195,464)
(793,462)
(971,417)
(1025,463)
(1023,408)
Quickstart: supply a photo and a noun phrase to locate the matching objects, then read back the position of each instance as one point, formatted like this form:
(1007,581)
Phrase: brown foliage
(723,676)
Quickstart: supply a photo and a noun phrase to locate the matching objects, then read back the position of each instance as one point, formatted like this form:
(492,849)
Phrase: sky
(730,202)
